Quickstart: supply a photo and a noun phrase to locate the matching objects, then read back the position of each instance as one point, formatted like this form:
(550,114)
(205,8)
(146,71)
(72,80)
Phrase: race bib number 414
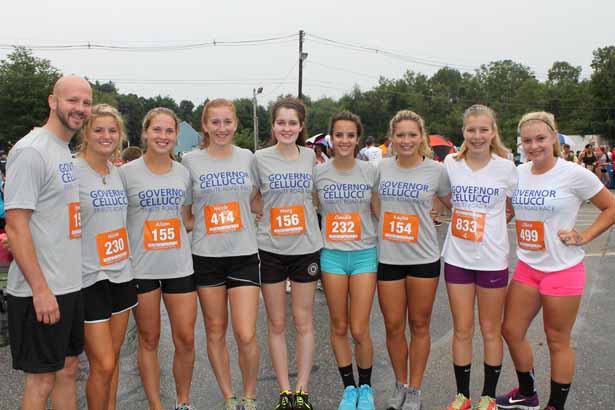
(223,218)
(343,227)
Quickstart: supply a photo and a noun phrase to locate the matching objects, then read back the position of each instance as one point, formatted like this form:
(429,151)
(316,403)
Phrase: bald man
(43,224)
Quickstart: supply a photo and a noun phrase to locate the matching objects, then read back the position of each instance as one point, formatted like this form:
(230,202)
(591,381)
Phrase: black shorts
(276,268)
(106,298)
(185,284)
(229,271)
(388,272)
(40,348)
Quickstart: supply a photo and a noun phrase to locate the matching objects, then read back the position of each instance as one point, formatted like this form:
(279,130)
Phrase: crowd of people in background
(93,241)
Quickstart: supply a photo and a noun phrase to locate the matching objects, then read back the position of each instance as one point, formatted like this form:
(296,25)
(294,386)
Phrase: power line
(396,55)
(156,48)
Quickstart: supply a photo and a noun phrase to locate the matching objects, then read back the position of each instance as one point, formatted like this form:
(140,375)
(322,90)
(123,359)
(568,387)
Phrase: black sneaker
(285,402)
(302,401)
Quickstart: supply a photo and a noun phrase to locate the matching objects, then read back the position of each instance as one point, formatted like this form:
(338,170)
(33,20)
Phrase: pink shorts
(567,282)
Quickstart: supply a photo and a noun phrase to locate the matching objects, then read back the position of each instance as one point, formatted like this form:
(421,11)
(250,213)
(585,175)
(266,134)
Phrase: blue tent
(188,139)
(561,137)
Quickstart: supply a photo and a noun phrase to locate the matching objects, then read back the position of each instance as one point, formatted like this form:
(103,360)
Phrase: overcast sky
(423,35)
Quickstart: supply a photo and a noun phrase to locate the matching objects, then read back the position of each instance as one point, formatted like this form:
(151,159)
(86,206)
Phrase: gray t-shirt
(406,232)
(289,225)
(41,177)
(158,240)
(345,199)
(104,251)
(221,189)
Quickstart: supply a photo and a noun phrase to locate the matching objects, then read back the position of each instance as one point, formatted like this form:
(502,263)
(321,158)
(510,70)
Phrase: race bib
(223,218)
(531,235)
(112,246)
(288,220)
(160,234)
(74,220)
(468,225)
(343,227)
(400,227)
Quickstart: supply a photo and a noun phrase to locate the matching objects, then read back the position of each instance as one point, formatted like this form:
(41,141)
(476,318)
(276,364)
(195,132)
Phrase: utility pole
(302,56)
(255,92)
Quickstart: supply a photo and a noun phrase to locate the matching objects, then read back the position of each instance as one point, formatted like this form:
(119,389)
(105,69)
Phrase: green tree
(133,111)
(603,91)
(25,83)
(185,111)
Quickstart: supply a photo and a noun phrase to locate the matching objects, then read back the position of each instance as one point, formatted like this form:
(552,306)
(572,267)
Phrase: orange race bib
(74,220)
(400,227)
(531,235)
(468,225)
(112,246)
(223,218)
(288,220)
(343,227)
(160,234)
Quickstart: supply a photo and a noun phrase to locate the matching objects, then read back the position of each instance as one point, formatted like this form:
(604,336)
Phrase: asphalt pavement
(593,387)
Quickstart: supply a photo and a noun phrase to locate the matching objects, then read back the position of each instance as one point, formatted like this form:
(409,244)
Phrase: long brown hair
(290,103)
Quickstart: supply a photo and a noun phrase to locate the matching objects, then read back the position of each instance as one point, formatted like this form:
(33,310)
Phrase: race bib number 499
(531,235)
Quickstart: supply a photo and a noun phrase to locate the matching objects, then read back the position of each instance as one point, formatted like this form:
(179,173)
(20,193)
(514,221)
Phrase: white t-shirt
(373,154)
(546,204)
(477,236)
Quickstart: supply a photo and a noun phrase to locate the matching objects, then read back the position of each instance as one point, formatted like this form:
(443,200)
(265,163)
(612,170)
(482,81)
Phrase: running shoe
(349,399)
(397,399)
(302,401)
(248,404)
(413,400)
(366,398)
(231,403)
(514,400)
(285,401)
(486,403)
(184,406)
(461,402)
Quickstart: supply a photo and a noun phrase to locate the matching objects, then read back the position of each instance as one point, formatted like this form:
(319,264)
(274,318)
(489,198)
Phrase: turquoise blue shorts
(349,262)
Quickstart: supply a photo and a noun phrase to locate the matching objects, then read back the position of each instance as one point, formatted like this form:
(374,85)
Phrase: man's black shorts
(40,348)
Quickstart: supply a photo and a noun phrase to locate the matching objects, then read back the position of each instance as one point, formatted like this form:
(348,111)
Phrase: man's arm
(22,247)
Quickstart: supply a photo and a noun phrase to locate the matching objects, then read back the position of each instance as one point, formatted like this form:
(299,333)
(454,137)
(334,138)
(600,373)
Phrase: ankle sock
(347,375)
(492,375)
(462,377)
(526,383)
(365,376)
